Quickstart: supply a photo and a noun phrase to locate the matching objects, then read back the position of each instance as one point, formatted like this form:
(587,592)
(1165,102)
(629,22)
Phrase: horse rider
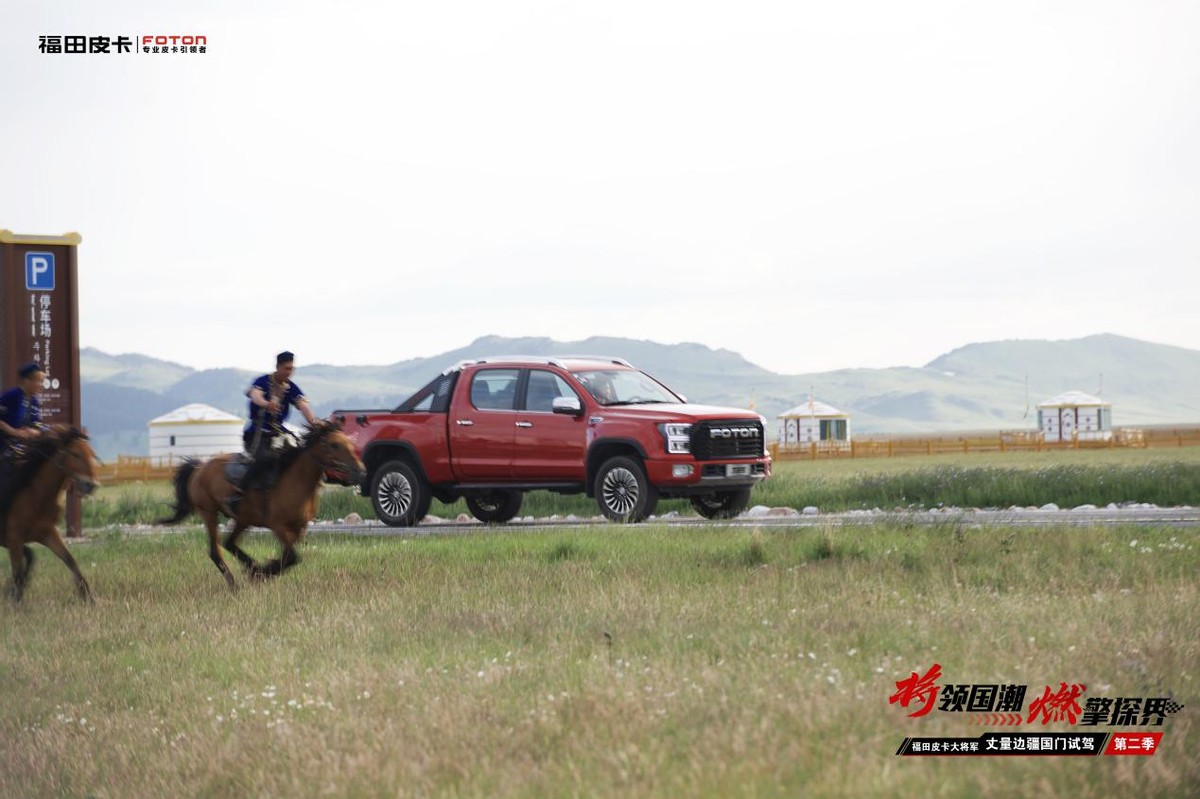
(272,396)
(20,418)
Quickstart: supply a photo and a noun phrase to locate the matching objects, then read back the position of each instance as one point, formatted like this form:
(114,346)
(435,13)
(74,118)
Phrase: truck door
(483,426)
(549,446)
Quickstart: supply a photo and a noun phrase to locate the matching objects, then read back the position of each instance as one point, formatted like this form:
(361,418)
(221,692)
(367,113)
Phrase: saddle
(236,468)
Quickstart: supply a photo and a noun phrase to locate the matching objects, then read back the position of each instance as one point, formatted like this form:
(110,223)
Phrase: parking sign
(39,271)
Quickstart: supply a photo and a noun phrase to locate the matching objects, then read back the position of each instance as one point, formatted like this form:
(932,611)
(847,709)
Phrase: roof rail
(609,358)
(556,360)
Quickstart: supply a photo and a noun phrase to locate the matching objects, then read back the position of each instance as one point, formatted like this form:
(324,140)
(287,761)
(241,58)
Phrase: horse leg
(55,544)
(21,558)
(273,568)
(287,555)
(232,545)
(214,549)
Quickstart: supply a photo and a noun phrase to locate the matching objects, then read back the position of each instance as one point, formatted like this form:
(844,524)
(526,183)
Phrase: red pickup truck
(490,430)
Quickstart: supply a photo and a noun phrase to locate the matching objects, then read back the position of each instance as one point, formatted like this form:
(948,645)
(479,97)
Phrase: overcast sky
(814,185)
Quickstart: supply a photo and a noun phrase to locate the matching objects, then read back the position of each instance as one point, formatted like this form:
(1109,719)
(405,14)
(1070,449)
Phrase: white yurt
(1075,416)
(195,431)
(814,422)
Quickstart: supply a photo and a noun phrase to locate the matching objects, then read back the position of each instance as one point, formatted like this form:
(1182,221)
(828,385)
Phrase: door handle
(524,424)
(464,422)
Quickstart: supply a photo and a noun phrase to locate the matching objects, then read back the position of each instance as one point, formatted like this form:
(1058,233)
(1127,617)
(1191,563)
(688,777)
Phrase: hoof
(260,574)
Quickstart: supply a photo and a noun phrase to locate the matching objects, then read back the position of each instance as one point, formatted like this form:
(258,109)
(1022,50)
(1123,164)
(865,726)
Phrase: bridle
(335,463)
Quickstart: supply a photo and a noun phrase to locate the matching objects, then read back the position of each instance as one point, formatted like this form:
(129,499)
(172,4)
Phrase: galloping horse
(286,508)
(34,500)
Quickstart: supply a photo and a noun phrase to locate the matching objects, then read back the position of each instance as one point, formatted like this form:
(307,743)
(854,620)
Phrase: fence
(1002,441)
(129,468)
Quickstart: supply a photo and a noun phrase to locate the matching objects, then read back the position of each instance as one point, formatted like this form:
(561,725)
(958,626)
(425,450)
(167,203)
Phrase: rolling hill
(986,386)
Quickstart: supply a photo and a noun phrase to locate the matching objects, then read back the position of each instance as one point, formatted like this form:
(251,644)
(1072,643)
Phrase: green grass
(618,661)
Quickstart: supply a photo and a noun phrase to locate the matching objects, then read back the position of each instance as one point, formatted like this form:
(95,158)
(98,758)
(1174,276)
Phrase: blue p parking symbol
(39,271)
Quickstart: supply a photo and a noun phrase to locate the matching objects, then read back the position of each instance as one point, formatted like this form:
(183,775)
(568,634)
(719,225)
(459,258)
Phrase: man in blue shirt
(20,409)
(20,418)
(272,396)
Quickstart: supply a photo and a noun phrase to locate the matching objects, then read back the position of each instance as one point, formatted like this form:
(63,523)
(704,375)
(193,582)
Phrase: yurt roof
(195,413)
(813,408)
(1074,399)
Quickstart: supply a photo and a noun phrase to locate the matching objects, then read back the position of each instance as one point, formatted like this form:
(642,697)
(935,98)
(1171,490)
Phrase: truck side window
(494,389)
(545,387)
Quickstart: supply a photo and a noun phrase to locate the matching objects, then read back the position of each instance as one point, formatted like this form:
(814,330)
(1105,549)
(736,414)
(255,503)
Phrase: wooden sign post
(39,321)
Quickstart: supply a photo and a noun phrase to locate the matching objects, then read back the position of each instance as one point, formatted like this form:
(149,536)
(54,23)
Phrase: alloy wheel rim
(394,494)
(620,491)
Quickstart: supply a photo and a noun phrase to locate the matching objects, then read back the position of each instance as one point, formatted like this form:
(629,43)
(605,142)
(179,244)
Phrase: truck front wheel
(721,504)
(400,496)
(623,492)
(494,507)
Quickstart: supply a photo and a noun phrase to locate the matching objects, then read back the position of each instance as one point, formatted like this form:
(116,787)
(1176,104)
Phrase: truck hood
(686,412)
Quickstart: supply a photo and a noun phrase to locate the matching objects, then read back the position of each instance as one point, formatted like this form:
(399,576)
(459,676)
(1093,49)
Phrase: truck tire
(722,504)
(623,492)
(494,507)
(400,496)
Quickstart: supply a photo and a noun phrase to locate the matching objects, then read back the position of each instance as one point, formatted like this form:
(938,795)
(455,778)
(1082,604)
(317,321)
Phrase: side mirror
(567,405)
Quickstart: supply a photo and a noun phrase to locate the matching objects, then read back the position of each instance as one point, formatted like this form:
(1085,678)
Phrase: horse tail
(183,505)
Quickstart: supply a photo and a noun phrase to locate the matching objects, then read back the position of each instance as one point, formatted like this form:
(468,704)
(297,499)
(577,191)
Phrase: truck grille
(739,438)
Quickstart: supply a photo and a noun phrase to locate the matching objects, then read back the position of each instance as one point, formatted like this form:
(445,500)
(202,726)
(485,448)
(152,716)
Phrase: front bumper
(706,476)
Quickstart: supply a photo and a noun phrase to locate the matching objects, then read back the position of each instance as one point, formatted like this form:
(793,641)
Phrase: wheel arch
(378,453)
(607,448)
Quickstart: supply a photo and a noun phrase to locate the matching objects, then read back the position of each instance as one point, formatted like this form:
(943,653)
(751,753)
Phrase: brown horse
(33,503)
(286,508)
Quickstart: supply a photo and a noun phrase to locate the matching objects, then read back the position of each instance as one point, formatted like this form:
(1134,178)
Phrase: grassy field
(618,661)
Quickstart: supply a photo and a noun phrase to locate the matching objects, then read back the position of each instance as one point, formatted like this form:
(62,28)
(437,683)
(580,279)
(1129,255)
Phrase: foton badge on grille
(733,432)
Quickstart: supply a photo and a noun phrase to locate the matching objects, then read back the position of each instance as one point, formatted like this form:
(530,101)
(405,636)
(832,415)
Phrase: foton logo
(733,432)
(174,40)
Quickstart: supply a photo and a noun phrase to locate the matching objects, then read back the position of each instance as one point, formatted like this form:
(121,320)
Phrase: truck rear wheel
(494,507)
(623,492)
(721,504)
(400,496)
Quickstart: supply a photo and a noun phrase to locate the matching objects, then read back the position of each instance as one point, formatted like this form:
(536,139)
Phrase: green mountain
(129,371)
(987,386)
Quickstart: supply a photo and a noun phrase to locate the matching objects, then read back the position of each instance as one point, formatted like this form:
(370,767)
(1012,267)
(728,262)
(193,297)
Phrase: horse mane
(315,434)
(36,451)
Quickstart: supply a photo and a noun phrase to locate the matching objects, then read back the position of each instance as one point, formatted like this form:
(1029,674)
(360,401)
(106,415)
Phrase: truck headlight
(677,436)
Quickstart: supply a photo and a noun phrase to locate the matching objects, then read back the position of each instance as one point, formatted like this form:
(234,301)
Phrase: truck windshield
(624,387)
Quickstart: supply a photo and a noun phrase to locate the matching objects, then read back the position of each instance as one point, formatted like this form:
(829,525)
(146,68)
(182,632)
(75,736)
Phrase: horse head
(71,452)
(76,457)
(334,452)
